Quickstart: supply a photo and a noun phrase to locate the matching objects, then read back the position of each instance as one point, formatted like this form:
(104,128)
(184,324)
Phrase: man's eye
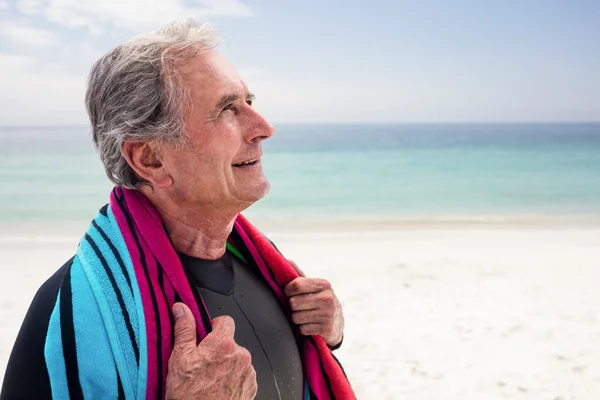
(230,107)
(249,102)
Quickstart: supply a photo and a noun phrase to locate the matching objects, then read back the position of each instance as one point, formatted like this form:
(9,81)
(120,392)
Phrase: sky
(328,61)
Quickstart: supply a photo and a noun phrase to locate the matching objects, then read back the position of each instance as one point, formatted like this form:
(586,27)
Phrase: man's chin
(262,190)
(258,192)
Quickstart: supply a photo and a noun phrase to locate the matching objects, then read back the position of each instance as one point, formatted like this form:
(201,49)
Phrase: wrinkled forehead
(209,74)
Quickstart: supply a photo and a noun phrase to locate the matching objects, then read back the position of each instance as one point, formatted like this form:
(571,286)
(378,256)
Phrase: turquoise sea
(344,172)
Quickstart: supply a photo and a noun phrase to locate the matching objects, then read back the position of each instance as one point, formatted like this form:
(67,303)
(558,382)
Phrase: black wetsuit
(231,287)
(227,286)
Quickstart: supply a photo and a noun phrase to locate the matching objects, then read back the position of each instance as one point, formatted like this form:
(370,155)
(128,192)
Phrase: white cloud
(33,96)
(230,8)
(21,33)
(29,7)
(72,20)
(99,16)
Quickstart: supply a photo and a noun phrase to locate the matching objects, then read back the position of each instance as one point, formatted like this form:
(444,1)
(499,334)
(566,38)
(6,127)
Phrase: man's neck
(197,232)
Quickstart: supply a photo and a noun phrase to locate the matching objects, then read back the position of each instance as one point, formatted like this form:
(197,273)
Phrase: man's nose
(260,128)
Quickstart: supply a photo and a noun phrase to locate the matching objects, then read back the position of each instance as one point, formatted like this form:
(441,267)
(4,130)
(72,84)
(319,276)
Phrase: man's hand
(217,368)
(315,308)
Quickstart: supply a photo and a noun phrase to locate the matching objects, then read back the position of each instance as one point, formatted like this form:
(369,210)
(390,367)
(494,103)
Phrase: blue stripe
(97,372)
(53,353)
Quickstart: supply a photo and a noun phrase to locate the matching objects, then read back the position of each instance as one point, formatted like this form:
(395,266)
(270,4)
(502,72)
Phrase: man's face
(220,166)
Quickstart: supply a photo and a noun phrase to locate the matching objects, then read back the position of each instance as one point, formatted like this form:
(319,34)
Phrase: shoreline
(67,231)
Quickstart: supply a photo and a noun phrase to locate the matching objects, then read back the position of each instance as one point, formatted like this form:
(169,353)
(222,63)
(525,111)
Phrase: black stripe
(313,396)
(120,385)
(115,253)
(177,298)
(325,377)
(68,338)
(161,284)
(115,287)
(104,210)
(159,390)
(118,193)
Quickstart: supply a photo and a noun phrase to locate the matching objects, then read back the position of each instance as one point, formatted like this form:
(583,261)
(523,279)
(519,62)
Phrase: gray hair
(135,93)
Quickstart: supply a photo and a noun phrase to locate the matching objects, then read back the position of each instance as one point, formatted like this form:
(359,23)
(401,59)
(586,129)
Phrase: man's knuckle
(325,284)
(226,345)
(330,309)
(307,330)
(329,301)
(328,328)
(295,318)
(295,285)
(245,357)
(295,303)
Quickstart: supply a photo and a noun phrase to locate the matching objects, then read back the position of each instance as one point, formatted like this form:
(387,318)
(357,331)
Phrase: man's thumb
(185,326)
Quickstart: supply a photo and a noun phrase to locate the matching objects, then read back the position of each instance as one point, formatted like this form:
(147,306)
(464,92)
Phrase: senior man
(172,292)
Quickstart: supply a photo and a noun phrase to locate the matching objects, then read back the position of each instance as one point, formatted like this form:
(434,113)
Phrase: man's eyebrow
(230,98)
(226,99)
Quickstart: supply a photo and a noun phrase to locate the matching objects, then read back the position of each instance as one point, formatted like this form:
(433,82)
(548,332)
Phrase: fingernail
(178,310)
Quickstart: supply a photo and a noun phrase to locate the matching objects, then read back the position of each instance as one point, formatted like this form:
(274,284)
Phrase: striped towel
(111,330)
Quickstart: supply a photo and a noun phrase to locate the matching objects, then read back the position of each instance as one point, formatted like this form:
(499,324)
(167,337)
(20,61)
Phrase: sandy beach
(479,312)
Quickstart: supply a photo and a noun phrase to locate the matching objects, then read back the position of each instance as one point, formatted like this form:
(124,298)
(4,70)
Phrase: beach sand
(431,312)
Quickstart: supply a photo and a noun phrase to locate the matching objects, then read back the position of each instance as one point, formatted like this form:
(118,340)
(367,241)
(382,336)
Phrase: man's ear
(146,160)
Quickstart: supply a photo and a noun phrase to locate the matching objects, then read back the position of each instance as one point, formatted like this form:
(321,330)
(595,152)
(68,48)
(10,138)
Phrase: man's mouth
(249,162)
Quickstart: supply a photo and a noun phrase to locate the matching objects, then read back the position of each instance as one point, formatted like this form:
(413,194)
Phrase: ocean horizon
(344,174)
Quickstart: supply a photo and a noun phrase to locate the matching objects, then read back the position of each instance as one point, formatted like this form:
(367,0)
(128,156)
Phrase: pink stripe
(312,369)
